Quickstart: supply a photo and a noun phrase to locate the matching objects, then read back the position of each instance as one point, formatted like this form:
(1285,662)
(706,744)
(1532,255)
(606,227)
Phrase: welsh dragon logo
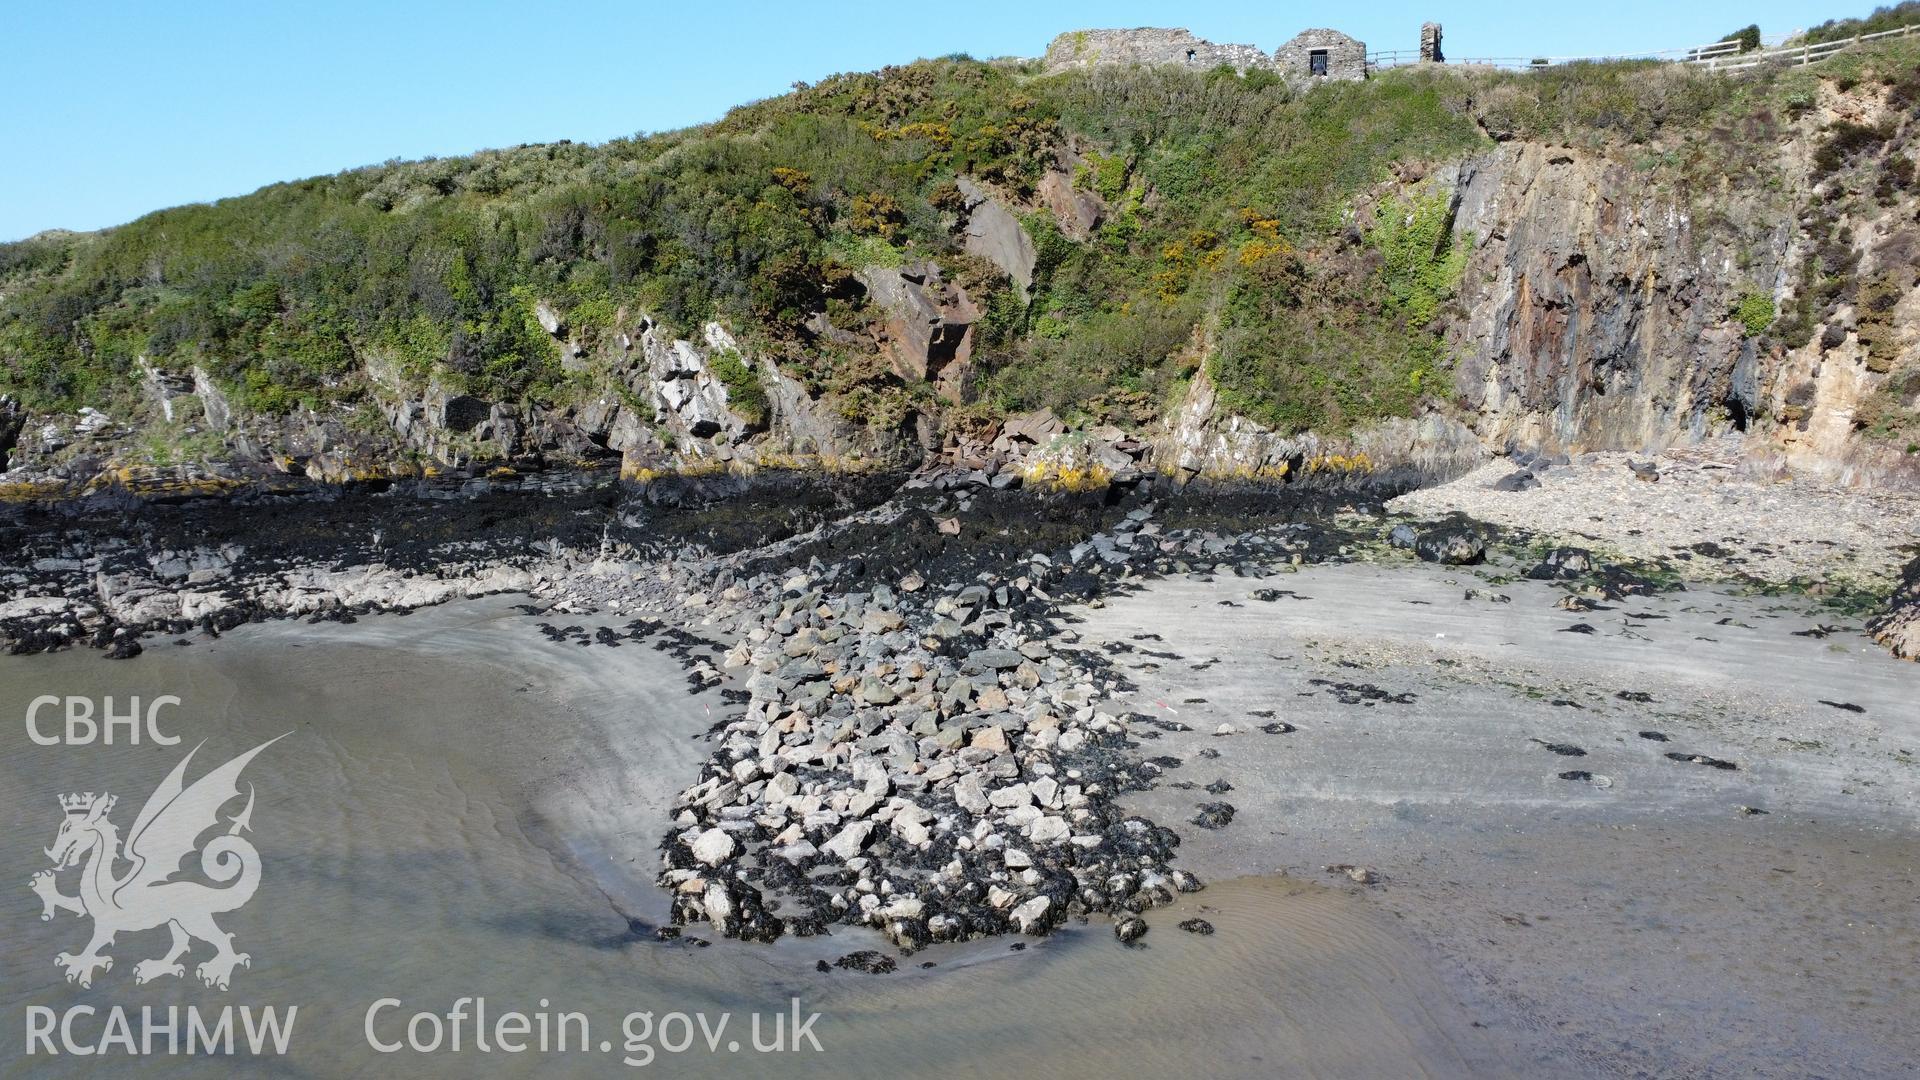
(145,896)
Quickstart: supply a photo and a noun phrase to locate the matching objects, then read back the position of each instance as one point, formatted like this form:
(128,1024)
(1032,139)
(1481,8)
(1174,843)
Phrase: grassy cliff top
(1227,234)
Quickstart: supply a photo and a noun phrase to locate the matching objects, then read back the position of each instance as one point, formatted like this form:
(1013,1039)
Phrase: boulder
(1049,830)
(1563,564)
(1450,547)
(848,841)
(991,738)
(968,794)
(713,846)
(1031,916)
(1038,427)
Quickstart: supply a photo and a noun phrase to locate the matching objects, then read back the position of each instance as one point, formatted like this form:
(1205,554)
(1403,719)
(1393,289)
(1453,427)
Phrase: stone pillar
(1430,44)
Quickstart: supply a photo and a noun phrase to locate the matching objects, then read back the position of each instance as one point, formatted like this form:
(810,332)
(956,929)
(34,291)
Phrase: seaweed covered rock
(1898,628)
(1450,547)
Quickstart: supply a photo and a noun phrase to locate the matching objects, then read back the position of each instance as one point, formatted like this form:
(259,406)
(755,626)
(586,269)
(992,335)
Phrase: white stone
(871,776)
(713,847)
(967,792)
(1046,791)
(906,907)
(717,902)
(847,842)
(1030,915)
(1010,796)
(1049,830)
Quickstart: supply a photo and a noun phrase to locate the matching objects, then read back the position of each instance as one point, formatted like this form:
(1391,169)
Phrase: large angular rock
(713,847)
(993,233)
(1031,916)
(1898,628)
(1034,427)
(929,324)
(1049,830)
(848,841)
(967,792)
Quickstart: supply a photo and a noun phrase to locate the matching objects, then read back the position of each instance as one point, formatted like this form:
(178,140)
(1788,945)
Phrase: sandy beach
(1600,906)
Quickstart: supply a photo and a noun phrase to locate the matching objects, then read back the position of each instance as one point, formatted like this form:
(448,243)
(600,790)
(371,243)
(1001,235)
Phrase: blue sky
(115,109)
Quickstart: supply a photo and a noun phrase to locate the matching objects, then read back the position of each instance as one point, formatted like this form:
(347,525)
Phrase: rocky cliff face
(1600,310)
(661,408)
(1595,314)
(1202,441)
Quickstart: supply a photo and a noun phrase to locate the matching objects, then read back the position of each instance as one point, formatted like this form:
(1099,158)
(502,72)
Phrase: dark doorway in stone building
(1317,62)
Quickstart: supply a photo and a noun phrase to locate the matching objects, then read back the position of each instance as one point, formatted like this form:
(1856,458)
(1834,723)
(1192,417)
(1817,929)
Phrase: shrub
(746,397)
(1894,17)
(1747,36)
(1755,312)
(1845,140)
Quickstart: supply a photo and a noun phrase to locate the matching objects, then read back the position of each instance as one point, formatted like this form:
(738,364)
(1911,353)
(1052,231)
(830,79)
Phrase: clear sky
(114,109)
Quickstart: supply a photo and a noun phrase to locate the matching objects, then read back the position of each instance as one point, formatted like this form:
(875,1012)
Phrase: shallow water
(464,809)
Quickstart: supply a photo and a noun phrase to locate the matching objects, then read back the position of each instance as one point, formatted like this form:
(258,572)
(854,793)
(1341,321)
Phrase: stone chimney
(1430,44)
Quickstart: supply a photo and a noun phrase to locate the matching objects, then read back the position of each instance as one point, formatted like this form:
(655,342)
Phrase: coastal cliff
(1226,274)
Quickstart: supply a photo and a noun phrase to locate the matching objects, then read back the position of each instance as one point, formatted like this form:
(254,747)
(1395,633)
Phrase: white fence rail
(1795,55)
(1719,56)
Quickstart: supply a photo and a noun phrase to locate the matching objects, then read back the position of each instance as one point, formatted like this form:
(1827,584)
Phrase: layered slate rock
(993,233)
(929,324)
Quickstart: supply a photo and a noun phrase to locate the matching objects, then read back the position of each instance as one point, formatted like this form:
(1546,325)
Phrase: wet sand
(468,809)
(1634,919)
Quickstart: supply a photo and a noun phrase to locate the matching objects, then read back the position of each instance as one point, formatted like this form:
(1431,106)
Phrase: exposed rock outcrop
(1205,442)
(12,419)
(1898,628)
(993,233)
(929,324)
(664,410)
(1597,311)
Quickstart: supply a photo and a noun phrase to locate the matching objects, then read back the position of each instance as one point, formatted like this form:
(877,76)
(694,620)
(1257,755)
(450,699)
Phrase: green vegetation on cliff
(1263,232)
(1891,17)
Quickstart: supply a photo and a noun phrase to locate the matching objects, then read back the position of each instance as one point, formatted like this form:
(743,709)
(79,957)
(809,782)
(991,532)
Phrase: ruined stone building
(1148,45)
(1311,56)
(1322,54)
